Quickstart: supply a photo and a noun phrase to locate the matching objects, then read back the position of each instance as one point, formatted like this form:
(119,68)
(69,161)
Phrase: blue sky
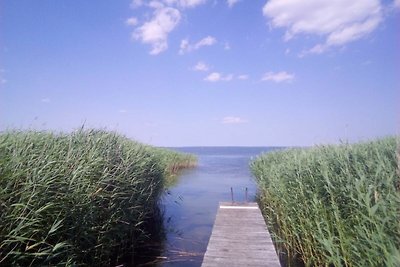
(203,72)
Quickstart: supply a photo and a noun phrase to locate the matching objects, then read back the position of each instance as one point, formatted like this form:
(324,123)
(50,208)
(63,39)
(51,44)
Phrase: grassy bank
(86,198)
(173,162)
(333,205)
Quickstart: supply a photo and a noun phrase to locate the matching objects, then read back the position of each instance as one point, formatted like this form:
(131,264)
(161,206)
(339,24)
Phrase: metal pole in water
(246,195)
(232,194)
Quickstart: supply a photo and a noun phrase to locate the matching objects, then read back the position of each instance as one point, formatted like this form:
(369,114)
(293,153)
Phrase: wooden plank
(240,238)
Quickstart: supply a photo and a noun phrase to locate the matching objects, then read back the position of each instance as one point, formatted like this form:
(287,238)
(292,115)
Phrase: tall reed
(84,198)
(333,205)
(173,161)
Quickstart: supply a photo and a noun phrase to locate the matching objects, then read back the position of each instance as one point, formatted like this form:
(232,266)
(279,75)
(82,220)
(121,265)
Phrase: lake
(190,206)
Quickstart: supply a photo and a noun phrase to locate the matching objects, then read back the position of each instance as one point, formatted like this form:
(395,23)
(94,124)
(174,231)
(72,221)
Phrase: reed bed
(89,198)
(333,205)
(173,162)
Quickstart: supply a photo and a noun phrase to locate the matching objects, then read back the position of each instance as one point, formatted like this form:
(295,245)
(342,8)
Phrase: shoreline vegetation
(333,205)
(85,198)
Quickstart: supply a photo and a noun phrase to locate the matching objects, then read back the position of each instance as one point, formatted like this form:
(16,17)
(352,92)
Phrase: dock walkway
(240,238)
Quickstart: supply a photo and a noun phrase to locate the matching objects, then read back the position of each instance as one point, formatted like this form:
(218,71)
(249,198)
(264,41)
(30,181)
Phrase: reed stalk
(82,199)
(333,205)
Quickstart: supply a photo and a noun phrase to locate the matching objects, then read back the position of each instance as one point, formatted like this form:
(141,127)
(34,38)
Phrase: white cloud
(216,77)
(136,3)
(231,3)
(186,47)
(213,77)
(207,41)
(228,77)
(243,77)
(233,120)
(201,66)
(227,46)
(338,21)
(396,3)
(191,3)
(166,16)
(132,21)
(45,100)
(155,31)
(278,77)
(155,4)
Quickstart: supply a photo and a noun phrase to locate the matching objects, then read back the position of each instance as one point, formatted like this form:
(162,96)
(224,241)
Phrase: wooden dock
(240,238)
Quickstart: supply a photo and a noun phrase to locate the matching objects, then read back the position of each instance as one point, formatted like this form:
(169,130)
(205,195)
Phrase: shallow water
(190,206)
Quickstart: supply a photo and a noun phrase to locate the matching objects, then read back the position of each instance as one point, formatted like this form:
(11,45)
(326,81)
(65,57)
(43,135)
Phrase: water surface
(191,205)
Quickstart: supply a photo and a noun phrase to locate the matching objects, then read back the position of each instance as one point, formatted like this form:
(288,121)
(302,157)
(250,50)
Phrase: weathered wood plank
(240,238)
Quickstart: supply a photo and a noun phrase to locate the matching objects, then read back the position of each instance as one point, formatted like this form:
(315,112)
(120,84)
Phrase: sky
(203,72)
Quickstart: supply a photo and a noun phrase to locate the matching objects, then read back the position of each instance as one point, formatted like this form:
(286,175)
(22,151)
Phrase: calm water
(191,205)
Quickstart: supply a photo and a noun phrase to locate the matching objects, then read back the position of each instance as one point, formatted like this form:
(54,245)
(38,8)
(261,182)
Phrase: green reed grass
(84,198)
(333,205)
(173,162)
